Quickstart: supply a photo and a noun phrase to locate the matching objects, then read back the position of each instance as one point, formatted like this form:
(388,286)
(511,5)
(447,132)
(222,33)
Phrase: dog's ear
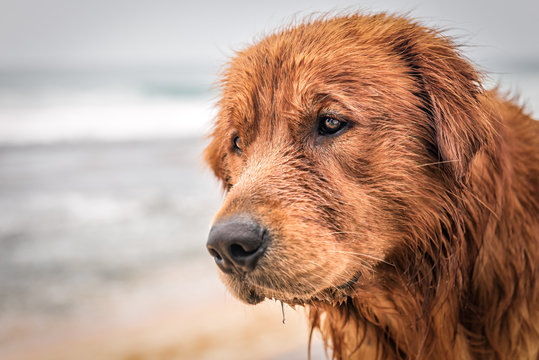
(450,92)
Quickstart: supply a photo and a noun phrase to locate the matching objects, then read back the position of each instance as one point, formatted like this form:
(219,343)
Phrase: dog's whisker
(438,163)
(363,255)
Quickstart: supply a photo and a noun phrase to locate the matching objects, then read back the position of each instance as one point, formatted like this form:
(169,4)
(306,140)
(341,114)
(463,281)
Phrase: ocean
(101,182)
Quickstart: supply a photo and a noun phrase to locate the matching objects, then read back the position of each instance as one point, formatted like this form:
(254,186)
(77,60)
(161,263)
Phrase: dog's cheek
(358,172)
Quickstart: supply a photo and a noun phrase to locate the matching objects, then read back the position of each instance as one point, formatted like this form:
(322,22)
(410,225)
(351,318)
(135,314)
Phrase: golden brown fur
(414,232)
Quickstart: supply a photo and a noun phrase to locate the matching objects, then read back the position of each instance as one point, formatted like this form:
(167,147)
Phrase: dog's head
(338,143)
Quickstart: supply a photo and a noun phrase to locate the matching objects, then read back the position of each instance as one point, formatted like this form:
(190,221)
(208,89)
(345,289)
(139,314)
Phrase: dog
(370,178)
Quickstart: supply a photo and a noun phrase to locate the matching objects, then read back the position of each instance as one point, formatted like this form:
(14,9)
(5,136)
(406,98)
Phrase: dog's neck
(372,324)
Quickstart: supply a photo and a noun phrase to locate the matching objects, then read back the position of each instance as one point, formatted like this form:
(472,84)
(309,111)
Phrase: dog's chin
(251,297)
(253,294)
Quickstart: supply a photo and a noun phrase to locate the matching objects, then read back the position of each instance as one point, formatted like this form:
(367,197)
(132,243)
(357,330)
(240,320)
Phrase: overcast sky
(96,33)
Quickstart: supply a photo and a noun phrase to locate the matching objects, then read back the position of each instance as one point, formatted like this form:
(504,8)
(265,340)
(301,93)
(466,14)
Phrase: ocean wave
(51,116)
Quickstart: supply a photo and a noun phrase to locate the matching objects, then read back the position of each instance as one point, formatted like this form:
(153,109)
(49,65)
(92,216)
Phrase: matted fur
(414,232)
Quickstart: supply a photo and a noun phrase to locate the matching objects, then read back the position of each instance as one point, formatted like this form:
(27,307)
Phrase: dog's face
(332,150)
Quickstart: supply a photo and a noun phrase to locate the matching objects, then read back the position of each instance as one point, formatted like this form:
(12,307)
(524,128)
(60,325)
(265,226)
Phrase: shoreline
(160,321)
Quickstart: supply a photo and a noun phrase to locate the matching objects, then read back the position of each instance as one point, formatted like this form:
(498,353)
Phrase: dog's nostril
(215,254)
(237,251)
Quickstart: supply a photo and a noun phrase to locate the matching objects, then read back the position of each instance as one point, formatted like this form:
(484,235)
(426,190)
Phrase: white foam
(108,116)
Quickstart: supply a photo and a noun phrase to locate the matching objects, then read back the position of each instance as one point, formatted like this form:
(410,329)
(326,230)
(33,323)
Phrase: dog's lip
(350,283)
(256,295)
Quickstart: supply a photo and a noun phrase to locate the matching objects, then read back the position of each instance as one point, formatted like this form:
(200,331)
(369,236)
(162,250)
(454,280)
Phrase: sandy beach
(163,317)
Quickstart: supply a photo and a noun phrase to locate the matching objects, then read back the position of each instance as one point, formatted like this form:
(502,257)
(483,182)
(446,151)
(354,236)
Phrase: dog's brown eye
(237,144)
(329,125)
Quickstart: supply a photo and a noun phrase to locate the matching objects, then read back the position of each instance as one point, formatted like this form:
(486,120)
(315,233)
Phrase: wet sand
(159,317)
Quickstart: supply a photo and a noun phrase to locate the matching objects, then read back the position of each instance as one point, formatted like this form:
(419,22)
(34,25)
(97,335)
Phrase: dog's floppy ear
(450,92)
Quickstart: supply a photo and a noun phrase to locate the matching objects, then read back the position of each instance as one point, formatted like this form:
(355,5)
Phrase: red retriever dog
(370,178)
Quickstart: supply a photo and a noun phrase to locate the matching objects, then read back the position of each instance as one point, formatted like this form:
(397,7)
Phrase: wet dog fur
(412,232)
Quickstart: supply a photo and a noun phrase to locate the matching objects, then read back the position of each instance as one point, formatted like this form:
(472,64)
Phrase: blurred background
(104,202)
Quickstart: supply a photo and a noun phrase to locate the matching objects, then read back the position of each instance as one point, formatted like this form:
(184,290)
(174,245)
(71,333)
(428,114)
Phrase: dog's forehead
(289,76)
(267,83)
(267,94)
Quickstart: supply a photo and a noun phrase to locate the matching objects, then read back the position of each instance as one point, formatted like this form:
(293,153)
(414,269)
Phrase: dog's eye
(329,125)
(237,144)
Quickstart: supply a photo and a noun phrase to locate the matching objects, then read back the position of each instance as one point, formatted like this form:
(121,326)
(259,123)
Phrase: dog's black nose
(237,243)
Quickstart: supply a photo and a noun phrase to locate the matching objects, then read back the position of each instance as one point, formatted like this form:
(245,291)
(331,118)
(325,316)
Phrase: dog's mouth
(253,293)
